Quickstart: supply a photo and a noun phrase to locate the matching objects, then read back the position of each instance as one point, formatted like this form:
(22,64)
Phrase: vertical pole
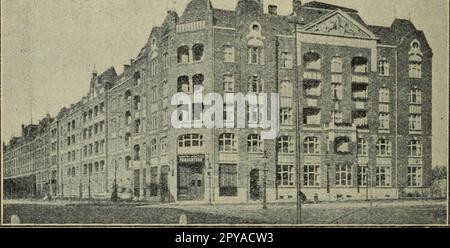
(297,138)
(265,185)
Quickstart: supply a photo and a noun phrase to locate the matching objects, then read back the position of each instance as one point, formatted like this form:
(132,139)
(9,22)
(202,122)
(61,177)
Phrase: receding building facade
(354,106)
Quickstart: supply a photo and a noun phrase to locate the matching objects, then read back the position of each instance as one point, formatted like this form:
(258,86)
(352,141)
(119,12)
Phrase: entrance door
(164,181)
(136,184)
(255,193)
(190,182)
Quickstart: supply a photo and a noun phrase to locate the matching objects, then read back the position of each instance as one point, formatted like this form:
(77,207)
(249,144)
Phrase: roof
(385,34)
(195,10)
(320,5)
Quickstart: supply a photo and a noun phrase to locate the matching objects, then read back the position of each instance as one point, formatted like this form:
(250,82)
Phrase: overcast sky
(49,48)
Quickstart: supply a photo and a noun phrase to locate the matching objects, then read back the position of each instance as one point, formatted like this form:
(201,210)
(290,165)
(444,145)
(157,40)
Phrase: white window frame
(343,175)
(311,175)
(228,143)
(383,176)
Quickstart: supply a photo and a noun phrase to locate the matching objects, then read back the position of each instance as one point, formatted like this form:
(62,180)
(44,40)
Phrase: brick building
(355,110)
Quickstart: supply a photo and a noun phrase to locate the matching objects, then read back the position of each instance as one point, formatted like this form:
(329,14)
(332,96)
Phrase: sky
(49,48)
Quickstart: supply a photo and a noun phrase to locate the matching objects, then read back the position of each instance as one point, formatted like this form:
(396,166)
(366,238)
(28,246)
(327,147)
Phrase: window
(285,175)
(128,95)
(228,54)
(311,145)
(286,60)
(336,65)
(137,126)
(153,148)
(415,176)
(255,55)
(362,147)
(227,143)
(190,140)
(286,88)
(415,60)
(383,176)
(255,84)
(311,175)
(286,116)
(197,81)
(415,96)
(343,175)
(383,147)
(285,145)
(163,143)
(165,61)
(228,180)
(337,117)
(183,54)
(362,175)
(127,162)
(137,78)
(137,152)
(336,91)
(342,145)
(384,95)
(197,51)
(184,84)
(255,144)
(228,83)
(359,65)
(311,61)
(383,67)
(383,121)
(137,103)
(415,122)
(415,148)
(164,89)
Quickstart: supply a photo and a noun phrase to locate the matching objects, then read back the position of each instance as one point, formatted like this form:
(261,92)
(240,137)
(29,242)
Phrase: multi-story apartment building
(354,110)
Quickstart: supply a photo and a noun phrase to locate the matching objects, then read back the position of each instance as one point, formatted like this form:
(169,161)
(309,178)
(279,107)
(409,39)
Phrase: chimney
(273,9)
(296,5)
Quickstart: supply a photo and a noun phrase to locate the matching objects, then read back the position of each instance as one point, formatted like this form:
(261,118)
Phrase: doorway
(255,191)
(190,181)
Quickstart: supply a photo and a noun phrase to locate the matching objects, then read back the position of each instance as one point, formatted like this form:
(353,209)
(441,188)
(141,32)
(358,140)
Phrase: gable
(339,23)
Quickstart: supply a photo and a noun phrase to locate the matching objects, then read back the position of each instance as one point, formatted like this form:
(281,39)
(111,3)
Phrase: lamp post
(209,181)
(265,181)
(115,193)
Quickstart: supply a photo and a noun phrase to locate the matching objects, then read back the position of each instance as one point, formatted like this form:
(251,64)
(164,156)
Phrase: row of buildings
(355,113)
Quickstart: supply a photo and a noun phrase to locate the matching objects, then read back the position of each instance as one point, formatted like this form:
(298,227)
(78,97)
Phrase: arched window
(183,54)
(415,96)
(311,61)
(383,67)
(197,81)
(197,51)
(285,145)
(127,139)
(190,140)
(128,118)
(137,103)
(96,168)
(228,142)
(342,145)
(383,147)
(102,165)
(415,148)
(163,145)
(286,88)
(415,60)
(127,162)
(137,126)
(336,64)
(311,145)
(255,45)
(255,84)
(183,84)
(137,78)
(362,147)
(137,152)
(128,95)
(255,144)
(360,65)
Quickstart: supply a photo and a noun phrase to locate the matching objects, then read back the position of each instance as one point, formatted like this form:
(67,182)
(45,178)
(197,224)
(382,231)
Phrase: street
(417,212)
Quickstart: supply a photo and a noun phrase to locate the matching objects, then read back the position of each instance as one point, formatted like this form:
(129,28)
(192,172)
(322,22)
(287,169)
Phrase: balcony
(415,161)
(384,161)
(286,159)
(360,79)
(312,76)
(363,160)
(415,109)
(228,157)
(312,103)
(312,160)
(191,26)
(359,105)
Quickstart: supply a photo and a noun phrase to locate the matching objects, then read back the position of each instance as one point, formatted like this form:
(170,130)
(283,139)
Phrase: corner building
(355,109)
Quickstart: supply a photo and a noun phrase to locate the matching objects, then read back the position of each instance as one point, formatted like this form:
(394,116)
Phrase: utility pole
(209,181)
(89,181)
(265,181)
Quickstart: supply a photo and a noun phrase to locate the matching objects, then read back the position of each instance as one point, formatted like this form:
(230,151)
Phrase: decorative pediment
(339,23)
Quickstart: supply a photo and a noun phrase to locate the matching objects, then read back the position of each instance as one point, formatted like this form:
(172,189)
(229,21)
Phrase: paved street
(380,212)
